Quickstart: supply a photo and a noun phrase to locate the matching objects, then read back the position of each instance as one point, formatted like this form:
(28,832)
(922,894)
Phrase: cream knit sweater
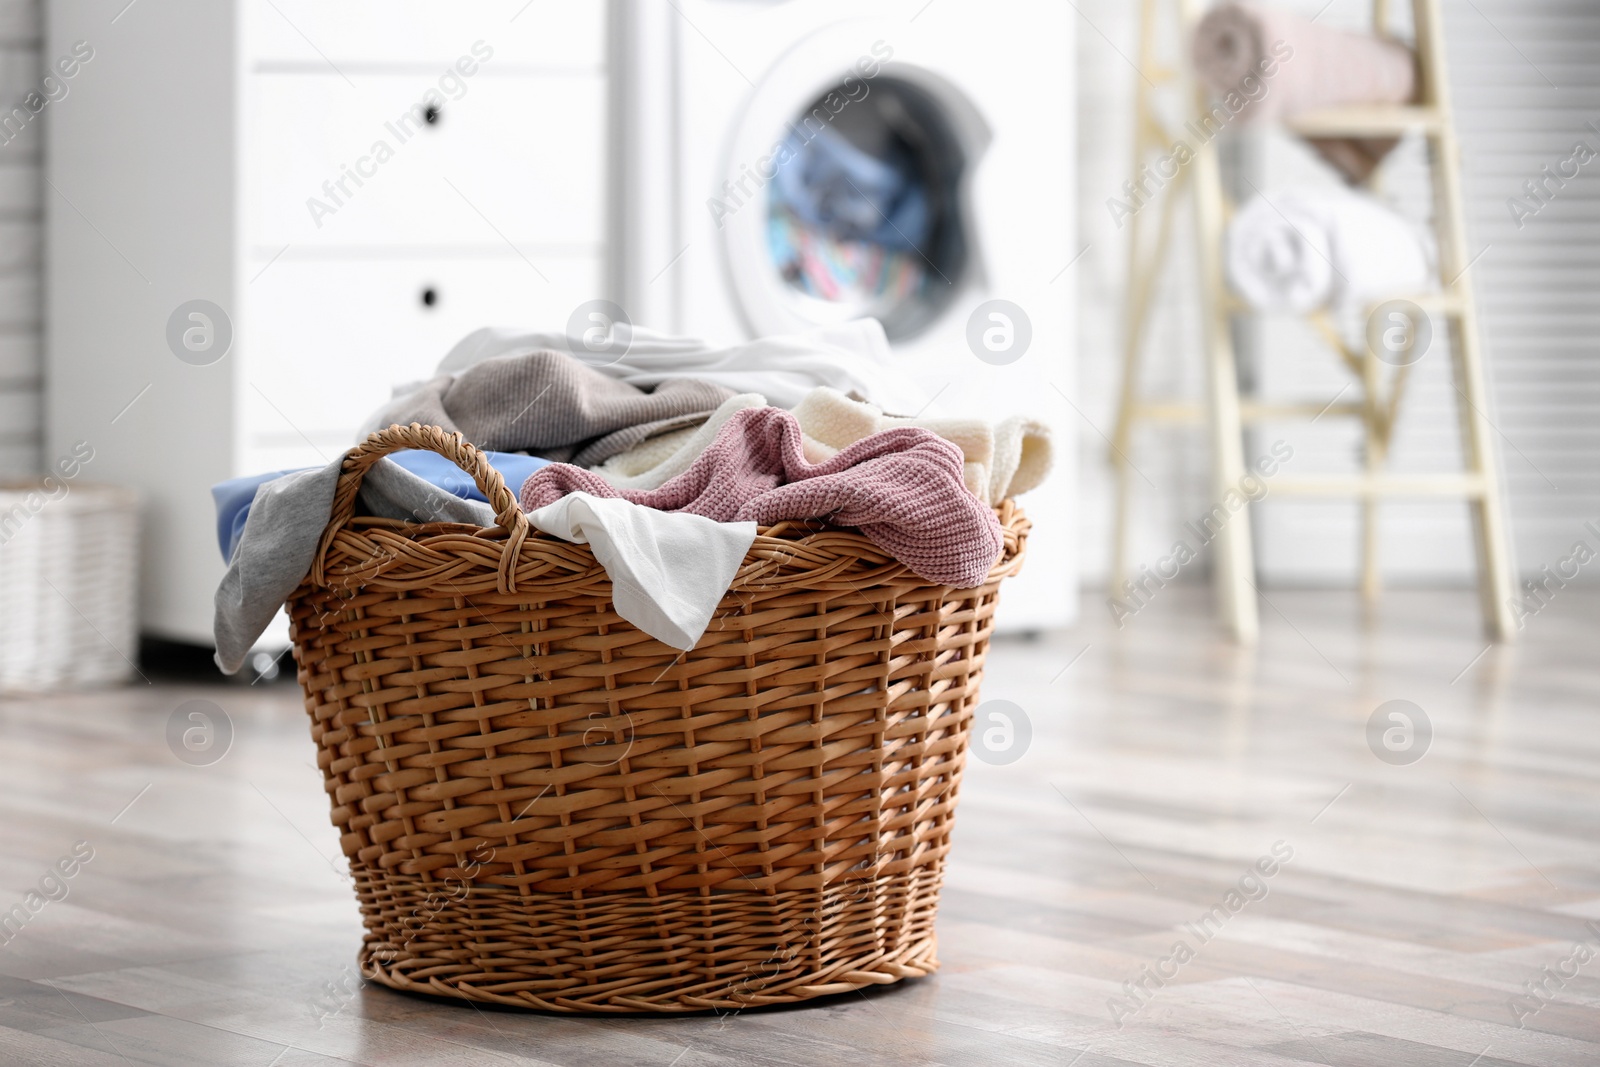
(652,463)
(1002,459)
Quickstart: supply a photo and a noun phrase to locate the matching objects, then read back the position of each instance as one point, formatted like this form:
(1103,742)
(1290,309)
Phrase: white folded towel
(1304,249)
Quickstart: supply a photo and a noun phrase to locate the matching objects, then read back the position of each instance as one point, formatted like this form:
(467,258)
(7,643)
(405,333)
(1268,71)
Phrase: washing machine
(785,164)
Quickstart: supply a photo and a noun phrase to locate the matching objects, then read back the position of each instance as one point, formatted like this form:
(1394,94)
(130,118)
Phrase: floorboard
(1408,903)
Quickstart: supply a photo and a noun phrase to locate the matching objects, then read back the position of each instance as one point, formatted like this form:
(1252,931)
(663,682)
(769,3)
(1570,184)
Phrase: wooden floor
(1409,908)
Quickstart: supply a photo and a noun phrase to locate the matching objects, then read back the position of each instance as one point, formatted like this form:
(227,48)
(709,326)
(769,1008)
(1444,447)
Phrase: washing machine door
(846,188)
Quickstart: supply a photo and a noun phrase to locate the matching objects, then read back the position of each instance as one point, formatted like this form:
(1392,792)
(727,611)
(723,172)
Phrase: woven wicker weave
(543,806)
(69,590)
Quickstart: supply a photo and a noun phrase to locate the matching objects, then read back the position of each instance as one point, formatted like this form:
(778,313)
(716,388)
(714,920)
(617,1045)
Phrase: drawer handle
(430,297)
(431,115)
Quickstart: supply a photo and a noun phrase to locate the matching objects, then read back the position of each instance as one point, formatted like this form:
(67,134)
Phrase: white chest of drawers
(355,185)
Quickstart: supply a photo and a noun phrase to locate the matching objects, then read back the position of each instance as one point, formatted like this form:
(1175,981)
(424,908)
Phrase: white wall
(1172,459)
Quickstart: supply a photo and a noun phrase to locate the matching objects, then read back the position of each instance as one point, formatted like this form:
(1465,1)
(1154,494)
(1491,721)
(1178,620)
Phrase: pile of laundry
(847,226)
(664,461)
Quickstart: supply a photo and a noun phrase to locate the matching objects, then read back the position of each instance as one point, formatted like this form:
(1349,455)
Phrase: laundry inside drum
(863,212)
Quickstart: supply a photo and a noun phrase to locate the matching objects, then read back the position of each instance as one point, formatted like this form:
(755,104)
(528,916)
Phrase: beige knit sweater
(1000,460)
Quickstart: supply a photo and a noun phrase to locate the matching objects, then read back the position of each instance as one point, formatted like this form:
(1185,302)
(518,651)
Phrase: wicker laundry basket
(542,806)
(69,583)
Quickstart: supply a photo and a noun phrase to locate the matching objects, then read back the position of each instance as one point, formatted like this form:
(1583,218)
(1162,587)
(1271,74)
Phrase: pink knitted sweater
(901,488)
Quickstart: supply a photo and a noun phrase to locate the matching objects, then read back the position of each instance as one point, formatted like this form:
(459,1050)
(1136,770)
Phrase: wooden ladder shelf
(1226,412)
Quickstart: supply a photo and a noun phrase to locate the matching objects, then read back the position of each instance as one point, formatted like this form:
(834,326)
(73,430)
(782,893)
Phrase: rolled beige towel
(1282,65)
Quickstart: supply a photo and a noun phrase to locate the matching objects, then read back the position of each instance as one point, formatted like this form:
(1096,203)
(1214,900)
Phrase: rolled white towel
(1304,249)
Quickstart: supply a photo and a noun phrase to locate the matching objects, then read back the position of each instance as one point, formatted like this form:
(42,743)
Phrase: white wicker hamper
(69,564)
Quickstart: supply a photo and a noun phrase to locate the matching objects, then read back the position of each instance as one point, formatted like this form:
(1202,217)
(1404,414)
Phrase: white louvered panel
(20,329)
(1537,286)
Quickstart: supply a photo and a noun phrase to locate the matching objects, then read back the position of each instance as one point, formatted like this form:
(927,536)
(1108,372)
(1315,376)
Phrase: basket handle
(452,446)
